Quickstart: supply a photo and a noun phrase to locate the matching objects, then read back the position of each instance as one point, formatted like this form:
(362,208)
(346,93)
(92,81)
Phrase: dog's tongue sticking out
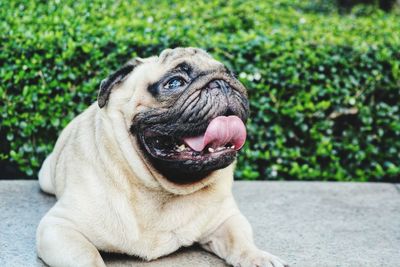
(221,131)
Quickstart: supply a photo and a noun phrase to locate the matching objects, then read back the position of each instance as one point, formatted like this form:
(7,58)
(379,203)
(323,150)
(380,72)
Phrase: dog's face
(186,112)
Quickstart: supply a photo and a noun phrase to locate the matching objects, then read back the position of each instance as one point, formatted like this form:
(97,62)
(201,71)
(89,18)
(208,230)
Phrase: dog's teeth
(220,148)
(181,148)
(211,150)
(233,147)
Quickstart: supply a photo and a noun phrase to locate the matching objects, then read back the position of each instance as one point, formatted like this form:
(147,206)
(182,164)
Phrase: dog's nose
(219,84)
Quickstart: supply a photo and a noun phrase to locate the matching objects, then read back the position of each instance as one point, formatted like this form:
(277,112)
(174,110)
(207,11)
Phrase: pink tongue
(221,131)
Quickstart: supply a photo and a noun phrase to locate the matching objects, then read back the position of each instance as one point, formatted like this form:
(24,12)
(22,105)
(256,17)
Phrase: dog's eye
(174,83)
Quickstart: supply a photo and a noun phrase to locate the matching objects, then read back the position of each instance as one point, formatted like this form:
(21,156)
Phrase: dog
(148,168)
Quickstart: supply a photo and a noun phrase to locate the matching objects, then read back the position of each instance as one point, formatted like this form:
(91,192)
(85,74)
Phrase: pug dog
(149,167)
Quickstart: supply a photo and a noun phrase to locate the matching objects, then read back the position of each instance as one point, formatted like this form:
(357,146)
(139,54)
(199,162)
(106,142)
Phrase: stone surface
(306,223)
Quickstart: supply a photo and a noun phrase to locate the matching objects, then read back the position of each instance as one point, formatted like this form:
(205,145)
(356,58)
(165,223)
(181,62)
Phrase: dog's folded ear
(115,78)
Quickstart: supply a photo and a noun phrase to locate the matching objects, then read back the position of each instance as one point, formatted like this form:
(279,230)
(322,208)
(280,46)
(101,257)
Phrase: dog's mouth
(224,134)
(185,159)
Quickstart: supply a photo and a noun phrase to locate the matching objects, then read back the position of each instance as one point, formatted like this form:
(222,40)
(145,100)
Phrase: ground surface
(307,224)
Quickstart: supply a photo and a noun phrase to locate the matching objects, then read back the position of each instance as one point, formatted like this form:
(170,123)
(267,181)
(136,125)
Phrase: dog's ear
(115,78)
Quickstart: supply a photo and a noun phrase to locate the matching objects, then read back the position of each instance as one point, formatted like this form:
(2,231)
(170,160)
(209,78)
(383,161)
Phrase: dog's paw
(260,258)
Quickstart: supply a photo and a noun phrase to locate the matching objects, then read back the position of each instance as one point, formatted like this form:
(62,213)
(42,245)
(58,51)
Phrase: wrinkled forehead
(154,68)
(194,57)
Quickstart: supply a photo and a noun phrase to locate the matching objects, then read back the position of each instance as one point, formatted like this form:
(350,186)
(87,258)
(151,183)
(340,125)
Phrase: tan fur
(111,199)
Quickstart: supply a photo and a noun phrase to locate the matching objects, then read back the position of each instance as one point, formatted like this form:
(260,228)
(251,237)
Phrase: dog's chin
(179,163)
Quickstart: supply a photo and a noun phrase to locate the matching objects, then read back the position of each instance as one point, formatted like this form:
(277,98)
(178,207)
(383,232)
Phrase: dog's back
(47,173)
(45,177)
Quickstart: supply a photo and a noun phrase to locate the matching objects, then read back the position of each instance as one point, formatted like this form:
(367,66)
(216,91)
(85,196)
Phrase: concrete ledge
(307,224)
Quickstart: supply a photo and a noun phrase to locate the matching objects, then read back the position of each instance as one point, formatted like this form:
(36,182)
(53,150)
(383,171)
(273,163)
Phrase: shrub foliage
(324,88)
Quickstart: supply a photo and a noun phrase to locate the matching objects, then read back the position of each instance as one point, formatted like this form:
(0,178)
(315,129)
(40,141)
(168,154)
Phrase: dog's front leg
(233,241)
(59,244)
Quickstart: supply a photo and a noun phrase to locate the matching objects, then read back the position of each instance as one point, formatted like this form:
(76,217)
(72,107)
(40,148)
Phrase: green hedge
(324,88)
